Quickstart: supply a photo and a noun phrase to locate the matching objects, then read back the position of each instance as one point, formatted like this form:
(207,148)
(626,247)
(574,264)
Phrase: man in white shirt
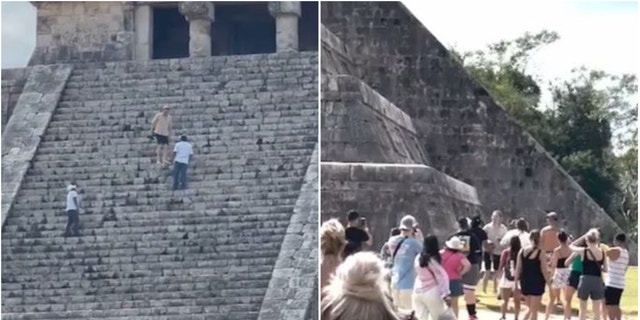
(73,212)
(495,231)
(182,153)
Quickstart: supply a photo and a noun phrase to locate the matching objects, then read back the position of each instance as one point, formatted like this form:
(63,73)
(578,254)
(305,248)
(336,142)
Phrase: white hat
(71,187)
(408,222)
(454,243)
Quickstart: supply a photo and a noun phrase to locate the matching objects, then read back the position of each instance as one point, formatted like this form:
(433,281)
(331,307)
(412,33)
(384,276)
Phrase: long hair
(332,237)
(358,290)
(535,237)
(430,250)
(514,247)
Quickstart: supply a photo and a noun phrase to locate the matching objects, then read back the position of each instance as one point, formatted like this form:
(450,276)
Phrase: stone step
(209,311)
(139,311)
(263,214)
(207,104)
(197,86)
(201,249)
(132,204)
(109,295)
(218,315)
(257,145)
(110,120)
(171,281)
(209,148)
(149,261)
(55,190)
(98,223)
(231,220)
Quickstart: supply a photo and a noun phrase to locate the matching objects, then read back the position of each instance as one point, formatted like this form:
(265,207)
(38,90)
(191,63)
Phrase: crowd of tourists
(415,277)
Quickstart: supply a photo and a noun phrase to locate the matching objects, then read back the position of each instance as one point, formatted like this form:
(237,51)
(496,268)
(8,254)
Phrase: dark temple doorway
(308,26)
(243,28)
(170,33)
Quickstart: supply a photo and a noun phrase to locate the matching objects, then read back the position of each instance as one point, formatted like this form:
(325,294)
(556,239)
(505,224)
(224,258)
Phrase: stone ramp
(25,128)
(148,252)
(359,125)
(466,134)
(13,81)
(384,193)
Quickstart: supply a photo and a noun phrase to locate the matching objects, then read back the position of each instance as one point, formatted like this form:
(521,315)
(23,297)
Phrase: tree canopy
(591,115)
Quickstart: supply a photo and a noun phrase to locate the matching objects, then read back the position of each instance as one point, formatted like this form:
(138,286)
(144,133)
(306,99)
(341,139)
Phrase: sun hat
(454,243)
(71,187)
(408,222)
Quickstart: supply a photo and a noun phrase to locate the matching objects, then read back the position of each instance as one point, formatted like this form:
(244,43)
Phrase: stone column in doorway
(286,14)
(200,15)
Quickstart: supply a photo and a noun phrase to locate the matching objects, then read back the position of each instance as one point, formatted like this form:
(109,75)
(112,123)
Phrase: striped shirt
(617,269)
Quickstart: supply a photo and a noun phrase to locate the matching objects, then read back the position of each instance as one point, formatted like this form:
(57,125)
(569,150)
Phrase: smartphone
(363,221)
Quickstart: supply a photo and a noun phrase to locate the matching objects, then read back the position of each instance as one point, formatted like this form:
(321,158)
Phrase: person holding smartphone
(356,233)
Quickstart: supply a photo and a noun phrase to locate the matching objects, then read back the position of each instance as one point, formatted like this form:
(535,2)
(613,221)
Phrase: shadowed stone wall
(465,133)
(359,125)
(83,31)
(383,193)
(13,81)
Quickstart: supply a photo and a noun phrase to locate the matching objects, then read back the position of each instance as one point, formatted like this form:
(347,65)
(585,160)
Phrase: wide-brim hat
(454,243)
(71,187)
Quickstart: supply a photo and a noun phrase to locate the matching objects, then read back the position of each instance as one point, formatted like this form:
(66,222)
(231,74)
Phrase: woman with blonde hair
(332,243)
(358,290)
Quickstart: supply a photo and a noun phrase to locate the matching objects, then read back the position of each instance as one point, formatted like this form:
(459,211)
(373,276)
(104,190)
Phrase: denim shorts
(455,286)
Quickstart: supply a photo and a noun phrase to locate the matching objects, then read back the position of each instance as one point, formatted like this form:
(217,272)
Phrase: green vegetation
(591,113)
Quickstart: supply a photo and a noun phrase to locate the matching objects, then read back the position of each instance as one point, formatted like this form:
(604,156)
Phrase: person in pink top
(431,286)
(455,264)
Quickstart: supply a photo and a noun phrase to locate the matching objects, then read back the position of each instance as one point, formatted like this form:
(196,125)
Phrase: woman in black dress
(532,275)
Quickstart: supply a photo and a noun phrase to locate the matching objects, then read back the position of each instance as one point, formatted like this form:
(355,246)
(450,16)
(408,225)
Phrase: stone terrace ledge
(194,63)
(351,111)
(292,291)
(28,123)
(336,57)
(418,176)
(370,97)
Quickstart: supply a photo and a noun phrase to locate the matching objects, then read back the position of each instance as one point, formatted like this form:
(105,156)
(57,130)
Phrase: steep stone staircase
(147,252)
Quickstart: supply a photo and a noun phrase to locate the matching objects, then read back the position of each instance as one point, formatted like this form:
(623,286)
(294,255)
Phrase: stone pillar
(200,15)
(286,14)
(144,31)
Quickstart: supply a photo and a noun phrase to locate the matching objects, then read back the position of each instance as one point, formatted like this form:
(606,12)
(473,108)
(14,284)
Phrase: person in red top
(506,271)
(455,264)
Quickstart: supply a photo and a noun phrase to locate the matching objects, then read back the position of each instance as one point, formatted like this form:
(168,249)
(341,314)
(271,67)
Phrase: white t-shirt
(73,194)
(495,235)
(183,150)
(524,238)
